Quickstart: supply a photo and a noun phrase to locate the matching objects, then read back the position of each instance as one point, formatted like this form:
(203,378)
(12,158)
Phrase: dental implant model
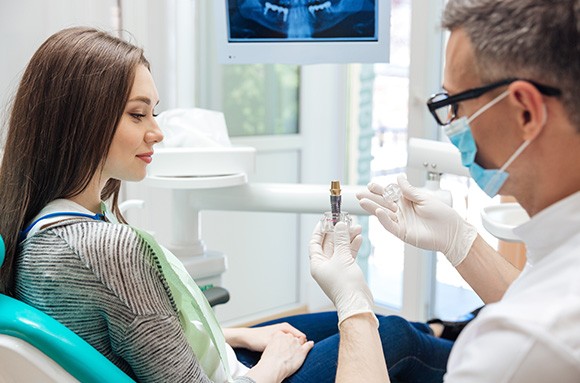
(335,215)
(335,201)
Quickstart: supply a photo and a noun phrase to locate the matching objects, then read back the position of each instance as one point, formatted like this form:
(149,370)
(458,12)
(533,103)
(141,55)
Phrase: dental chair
(36,348)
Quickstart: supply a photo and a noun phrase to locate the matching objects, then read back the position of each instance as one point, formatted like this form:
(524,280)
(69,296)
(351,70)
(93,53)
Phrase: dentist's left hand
(333,266)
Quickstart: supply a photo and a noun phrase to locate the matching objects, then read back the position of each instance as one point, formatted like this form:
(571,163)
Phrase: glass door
(404,280)
(389,154)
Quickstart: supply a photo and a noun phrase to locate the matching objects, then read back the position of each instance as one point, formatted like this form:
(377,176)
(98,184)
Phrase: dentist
(511,80)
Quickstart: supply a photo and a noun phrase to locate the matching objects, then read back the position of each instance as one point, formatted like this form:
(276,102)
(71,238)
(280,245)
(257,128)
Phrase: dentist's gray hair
(531,39)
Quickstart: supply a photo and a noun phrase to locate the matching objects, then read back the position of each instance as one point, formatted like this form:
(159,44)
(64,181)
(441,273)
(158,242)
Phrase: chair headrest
(2,251)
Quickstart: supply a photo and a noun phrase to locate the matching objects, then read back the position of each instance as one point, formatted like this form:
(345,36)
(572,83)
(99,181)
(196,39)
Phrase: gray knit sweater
(103,282)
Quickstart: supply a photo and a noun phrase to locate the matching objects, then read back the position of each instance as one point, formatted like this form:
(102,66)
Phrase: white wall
(25,24)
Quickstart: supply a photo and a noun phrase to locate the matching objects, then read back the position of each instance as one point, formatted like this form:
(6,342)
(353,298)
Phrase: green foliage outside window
(261,99)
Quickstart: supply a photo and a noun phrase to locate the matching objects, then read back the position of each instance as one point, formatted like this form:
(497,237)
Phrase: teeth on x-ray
(277,9)
(316,8)
(281,10)
(303,19)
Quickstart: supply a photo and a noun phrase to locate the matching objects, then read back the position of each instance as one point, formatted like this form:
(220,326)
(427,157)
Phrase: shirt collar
(58,205)
(551,227)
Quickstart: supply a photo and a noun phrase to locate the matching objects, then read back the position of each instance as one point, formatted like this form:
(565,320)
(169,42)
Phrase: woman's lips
(147,157)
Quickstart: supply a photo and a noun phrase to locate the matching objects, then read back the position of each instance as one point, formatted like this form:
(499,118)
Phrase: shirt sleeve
(510,353)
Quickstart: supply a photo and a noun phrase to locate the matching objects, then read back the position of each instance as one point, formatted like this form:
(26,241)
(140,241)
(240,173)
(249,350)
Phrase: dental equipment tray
(202,162)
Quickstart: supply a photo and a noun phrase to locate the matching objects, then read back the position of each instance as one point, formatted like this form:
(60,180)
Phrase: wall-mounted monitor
(302,31)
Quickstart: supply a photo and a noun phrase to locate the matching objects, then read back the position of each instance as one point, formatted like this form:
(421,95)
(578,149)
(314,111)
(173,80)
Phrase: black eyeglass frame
(477,92)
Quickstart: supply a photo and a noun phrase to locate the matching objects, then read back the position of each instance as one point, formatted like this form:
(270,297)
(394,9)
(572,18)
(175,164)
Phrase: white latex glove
(333,266)
(420,219)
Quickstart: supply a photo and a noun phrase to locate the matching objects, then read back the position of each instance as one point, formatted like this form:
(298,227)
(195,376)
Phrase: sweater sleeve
(157,351)
(151,340)
(104,283)
(154,343)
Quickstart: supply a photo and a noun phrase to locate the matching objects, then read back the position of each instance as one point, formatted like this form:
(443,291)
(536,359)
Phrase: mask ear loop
(496,176)
(513,157)
(488,105)
(524,145)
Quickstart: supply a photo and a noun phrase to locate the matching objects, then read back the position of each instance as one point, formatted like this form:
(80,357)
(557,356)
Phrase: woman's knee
(397,335)
(395,324)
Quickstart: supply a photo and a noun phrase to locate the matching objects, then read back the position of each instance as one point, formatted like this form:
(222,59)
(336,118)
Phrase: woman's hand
(257,338)
(282,357)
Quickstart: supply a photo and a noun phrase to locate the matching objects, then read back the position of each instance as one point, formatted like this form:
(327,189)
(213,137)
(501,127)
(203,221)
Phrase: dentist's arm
(422,220)
(333,266)
(486,271)
(360,355)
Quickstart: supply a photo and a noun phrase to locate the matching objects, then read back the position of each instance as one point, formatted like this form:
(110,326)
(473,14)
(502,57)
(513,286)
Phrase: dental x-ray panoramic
(302,20)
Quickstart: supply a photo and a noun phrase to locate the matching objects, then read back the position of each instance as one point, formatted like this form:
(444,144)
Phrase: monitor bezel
(302,52)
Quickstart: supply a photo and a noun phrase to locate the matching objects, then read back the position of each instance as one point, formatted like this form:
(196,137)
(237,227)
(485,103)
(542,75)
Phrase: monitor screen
(302,31)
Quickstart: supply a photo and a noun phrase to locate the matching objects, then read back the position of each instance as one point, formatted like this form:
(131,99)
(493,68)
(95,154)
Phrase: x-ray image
(302,20)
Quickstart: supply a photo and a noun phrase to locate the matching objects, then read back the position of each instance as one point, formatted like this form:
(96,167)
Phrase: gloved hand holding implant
(333,266)
(420,219)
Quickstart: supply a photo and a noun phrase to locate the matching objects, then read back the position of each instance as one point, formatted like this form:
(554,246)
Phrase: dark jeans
(411,352)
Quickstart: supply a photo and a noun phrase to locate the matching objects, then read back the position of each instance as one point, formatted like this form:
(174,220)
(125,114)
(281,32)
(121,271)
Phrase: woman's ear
(530,106)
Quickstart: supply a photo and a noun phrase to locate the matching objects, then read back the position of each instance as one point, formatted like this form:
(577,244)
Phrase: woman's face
(132,147)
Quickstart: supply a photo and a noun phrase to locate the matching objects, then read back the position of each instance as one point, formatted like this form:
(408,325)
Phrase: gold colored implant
(335,188)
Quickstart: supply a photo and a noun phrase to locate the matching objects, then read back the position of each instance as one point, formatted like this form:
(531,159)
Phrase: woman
(81,122)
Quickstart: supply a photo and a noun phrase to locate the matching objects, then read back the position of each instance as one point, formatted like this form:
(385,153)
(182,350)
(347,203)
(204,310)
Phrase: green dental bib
(201,328)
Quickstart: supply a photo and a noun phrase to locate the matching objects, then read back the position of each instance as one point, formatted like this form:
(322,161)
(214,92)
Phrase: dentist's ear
(532,110)
(545,115)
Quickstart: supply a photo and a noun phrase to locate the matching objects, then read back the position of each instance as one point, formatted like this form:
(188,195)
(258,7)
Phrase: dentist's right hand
(420,219)
(333,266)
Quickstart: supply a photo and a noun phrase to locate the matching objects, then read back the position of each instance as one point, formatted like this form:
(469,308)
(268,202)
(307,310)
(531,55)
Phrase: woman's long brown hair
(64,115)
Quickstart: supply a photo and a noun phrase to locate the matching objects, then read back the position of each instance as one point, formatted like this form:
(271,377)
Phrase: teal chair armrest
(62,345)
(2,251)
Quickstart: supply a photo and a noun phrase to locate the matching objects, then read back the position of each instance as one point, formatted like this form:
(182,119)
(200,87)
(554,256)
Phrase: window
(261,99)
(389,154)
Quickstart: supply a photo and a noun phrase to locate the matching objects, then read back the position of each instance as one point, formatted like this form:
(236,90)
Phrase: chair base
(21,363)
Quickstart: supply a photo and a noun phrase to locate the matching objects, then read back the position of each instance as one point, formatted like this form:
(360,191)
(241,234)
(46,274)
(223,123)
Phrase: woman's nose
(154,135)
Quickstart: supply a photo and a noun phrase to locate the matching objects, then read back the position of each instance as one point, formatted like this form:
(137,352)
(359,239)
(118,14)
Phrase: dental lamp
(230,191)
(435,157)
(223,185)
(438,157)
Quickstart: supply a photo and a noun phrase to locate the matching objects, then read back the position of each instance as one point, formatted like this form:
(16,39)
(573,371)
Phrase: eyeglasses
(444,107)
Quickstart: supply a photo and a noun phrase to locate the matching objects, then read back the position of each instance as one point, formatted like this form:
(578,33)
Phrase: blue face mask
(459,132)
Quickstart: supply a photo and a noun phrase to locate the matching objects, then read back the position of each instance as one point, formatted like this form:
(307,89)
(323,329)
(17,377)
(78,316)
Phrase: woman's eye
(137,115)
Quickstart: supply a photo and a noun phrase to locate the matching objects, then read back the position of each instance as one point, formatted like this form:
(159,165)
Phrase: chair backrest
(32,342)
(2,251)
